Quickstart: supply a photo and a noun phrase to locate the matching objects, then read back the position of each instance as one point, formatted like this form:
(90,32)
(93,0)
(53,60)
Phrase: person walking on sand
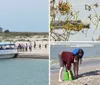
(34,44)
(40,46)
(45,45)
(30,47)
(19,47)
(26,47)
(67,58)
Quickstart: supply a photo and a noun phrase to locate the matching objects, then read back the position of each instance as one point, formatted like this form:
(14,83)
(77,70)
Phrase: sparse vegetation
(63,17)
(21,36)
(6,31)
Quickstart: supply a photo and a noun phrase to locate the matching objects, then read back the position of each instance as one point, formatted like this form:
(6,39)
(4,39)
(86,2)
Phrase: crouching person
(68,58)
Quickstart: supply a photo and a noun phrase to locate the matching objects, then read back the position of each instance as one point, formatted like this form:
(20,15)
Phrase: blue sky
(24,15)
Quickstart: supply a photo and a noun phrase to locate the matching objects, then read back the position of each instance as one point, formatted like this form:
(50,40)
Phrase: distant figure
(19,47)
(22,47)
(40,46)
(26,47)
(30,47)
(1,48)
(34,44)
(45,45)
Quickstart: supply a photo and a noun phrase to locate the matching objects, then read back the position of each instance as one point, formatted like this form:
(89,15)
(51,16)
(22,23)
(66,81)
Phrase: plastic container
(66,76)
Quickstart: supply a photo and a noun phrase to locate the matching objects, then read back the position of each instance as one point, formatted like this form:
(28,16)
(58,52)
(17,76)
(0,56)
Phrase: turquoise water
(22,71)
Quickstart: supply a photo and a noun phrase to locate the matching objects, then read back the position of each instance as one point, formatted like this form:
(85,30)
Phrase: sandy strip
(88,75)
(36,53)
(33,55)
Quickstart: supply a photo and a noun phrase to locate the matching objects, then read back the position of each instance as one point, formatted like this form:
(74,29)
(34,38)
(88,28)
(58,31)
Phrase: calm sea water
(90,51)
(24,72)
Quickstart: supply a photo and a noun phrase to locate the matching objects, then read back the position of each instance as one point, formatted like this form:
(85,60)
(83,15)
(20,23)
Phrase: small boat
(8,50)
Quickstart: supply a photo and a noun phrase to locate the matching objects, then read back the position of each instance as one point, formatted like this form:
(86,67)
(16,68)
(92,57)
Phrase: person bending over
(67,58)
(78,52)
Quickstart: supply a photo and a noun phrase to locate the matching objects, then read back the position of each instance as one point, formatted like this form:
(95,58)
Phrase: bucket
(66,76)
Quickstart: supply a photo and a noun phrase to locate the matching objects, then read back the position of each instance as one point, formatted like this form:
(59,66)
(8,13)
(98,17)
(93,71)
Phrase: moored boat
(8,50)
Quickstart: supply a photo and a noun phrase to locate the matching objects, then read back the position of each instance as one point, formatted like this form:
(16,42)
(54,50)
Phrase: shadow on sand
(91,73)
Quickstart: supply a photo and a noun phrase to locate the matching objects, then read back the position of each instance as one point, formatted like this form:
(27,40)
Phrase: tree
(6,31)
(65,18)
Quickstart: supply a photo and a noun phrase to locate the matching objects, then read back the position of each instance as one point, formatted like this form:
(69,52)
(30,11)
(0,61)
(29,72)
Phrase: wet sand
(88,75)
(36,53)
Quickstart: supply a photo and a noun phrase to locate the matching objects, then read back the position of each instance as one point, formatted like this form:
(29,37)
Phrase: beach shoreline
(88,75)
(40,51)
(32,55)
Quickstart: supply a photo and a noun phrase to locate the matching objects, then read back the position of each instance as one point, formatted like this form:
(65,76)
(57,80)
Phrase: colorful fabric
(76,52)
(67,58)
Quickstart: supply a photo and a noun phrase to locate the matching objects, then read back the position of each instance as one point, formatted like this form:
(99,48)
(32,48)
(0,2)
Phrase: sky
(24,15)
(83,14)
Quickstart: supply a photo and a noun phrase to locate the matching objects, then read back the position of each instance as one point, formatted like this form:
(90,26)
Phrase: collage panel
(74,63)
(24,42)
(72,20)
(74,42)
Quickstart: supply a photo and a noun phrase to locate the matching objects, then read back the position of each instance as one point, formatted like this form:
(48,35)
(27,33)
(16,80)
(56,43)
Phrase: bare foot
(60,80)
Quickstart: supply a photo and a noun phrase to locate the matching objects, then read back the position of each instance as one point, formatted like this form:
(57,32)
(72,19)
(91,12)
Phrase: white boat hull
(8,53)
(8,56)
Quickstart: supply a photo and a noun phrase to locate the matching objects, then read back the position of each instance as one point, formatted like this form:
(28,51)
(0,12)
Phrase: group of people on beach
(22,47)
(67,58)
(29,46)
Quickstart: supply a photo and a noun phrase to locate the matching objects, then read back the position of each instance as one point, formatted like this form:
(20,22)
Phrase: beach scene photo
(24,42)
(89,69)
(70,19)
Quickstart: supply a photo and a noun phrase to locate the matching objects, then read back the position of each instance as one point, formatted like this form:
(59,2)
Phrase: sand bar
(32,55)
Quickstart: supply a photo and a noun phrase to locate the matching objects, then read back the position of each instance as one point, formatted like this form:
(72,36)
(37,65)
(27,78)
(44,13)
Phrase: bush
(6,31)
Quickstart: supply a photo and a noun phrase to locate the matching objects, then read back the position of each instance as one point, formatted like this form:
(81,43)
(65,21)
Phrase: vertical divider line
(49,37)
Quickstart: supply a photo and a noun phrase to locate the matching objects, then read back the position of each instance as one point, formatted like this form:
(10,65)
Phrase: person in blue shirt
(79,53)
